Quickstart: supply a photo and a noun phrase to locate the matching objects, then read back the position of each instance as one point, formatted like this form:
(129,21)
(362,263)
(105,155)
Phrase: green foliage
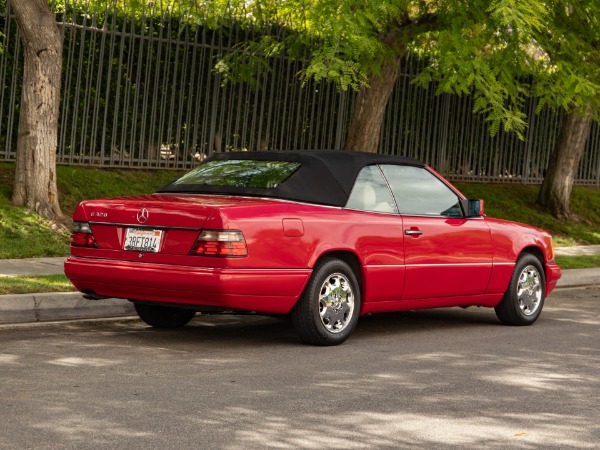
(340,40)
(522,19)
(248,61)
(569,74)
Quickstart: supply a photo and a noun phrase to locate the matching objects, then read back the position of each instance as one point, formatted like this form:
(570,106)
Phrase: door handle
(413,232)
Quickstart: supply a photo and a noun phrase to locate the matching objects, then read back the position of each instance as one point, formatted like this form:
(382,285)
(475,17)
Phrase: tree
(556,189)
(360,45)
(573,84)
(35,176)
(557,45)
(491,50)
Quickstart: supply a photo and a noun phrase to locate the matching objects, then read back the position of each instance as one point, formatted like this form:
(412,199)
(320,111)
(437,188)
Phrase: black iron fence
(139,90)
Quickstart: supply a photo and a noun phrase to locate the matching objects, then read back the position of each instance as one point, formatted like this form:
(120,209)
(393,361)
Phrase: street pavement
(24,308)
(435,379)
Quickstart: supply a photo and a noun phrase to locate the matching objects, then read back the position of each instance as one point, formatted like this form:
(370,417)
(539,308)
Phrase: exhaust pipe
(88,294)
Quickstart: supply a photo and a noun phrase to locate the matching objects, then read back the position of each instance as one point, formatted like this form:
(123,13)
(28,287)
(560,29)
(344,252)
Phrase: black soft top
(325,177)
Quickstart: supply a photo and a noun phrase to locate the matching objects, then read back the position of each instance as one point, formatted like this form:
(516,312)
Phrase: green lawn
(24,234)
(578,262)
(31,285)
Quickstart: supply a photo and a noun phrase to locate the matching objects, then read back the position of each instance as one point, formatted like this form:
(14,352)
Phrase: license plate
(142,240)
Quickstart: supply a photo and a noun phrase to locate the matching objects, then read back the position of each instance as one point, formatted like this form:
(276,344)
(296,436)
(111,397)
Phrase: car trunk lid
(165,224)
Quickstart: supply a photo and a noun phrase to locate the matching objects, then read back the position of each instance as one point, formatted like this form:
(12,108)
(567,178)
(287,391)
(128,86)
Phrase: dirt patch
(7,175)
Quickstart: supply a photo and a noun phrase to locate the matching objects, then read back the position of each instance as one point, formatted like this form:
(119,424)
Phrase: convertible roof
(325,176)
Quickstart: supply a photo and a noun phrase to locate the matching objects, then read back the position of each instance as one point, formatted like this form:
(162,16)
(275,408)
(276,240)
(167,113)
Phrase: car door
(380,244)
(446,254)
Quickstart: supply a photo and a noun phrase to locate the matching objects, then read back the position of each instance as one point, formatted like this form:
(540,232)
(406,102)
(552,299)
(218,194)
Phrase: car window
(417,191)
(240,173)
(371,192)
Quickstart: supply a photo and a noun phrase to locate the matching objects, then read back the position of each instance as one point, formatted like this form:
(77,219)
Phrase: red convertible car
(323,236)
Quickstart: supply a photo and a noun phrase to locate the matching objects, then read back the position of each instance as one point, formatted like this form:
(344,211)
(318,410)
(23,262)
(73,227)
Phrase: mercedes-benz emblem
(142,215)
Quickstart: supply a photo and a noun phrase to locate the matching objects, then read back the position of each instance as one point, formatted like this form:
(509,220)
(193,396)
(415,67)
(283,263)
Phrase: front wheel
(524,299)
(163,316)
(328,309)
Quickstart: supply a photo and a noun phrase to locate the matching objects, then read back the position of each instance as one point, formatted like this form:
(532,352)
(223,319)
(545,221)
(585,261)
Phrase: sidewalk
(71,305)
(31,267)
(578,250)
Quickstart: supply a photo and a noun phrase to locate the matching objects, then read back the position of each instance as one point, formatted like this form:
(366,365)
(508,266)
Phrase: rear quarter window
(371,192)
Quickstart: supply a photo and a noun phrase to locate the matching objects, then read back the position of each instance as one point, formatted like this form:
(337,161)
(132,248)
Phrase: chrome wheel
(327,311)
(529,290)
(524,298)
(336,303)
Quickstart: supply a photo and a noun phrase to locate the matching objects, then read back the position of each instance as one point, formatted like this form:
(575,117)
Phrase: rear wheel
(164,316)
(524,299)
(328,309)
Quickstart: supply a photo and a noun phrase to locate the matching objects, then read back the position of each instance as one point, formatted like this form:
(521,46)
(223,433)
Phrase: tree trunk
(555,192)
(35,177)
(364,130)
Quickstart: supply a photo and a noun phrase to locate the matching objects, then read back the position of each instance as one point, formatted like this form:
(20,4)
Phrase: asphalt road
(447,378)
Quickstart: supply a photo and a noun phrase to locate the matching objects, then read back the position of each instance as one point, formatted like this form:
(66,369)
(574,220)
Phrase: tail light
(225,243)
(81,235)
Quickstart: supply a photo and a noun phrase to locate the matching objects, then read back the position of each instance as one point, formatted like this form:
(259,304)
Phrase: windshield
(240,173)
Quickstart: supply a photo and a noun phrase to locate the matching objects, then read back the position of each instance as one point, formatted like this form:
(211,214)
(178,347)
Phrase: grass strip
(578,262)
(34,285)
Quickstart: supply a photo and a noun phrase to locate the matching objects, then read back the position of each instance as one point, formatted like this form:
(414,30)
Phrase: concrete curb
(579,278)
(25,308)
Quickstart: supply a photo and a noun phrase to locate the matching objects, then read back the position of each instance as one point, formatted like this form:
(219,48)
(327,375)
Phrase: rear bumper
(553,274)
(271,291)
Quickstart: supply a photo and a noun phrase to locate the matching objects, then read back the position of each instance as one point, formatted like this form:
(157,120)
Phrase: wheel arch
(538,253)
(349,258)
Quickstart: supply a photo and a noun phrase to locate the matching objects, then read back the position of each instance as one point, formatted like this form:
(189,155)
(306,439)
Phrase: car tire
(524,299)
(163,316)
(327,311)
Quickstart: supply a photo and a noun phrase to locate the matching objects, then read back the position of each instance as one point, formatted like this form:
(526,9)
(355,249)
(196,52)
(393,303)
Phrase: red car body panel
(455,262)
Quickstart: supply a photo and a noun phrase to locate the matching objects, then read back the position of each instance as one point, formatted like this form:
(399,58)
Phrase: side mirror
(473,207)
